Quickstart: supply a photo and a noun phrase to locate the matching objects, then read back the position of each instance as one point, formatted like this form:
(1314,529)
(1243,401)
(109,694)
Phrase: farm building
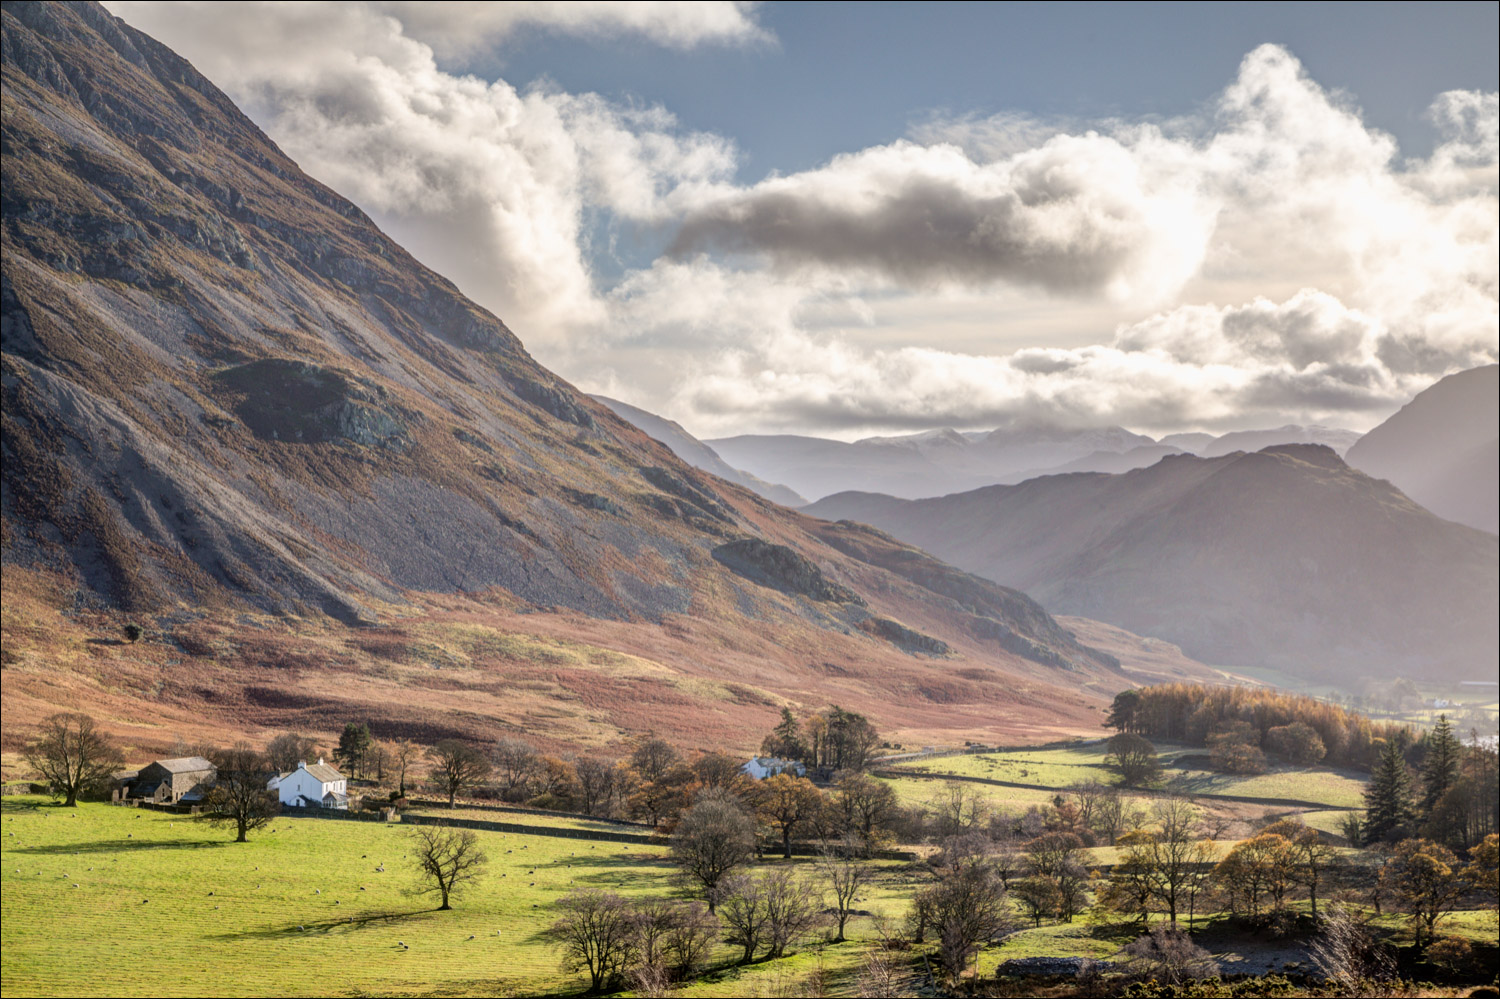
(760,768)
(182,779)
(317,784)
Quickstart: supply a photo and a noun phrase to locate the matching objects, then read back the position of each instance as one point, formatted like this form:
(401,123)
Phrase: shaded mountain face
(228,395)
(1285,558)
(1441,449)
(696,453)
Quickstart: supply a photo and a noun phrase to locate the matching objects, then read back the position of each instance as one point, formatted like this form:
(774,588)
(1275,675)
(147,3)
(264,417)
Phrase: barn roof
(186,765)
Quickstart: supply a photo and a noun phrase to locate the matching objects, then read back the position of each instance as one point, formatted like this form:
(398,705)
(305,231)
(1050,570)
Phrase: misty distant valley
(629,499)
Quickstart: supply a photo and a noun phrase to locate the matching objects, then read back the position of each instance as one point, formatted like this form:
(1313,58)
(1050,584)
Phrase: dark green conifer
(1388,797)
(1440,764)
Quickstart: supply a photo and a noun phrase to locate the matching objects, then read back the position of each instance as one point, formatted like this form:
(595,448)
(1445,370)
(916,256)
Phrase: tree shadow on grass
(343,924)
(116,846)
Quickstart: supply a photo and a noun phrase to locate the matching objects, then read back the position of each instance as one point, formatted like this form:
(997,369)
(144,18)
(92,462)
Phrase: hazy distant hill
(231,402)
(934,463)
(696,453)
(1441,449)
(1285,557)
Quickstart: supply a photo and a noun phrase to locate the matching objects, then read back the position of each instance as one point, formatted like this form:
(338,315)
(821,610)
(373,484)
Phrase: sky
(844,219)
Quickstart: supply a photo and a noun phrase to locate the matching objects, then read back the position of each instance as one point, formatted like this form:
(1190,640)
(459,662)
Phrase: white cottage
(760,768)
(317,785)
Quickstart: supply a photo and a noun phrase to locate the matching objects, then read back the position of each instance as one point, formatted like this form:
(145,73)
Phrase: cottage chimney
(320,761)
(301,764)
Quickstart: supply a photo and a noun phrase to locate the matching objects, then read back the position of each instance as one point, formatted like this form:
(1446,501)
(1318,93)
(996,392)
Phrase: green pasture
(107,900)
(102,899)
(526,817)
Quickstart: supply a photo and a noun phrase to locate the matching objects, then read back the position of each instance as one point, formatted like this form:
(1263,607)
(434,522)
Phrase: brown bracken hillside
(331,488)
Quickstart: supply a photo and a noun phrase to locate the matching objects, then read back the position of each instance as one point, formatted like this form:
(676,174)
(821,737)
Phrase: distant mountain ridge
(1285,557)
(938,462)
(1441,449)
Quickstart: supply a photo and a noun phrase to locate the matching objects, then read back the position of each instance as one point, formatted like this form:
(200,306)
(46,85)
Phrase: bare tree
(1348,953)
(404,754)
(1168,955)
(691,937)
(239,797)
(287,750)
(846,876)
(599,785)
(448,861)
(456,765)
(959,808)
(653,757)
(793,908)
(743,910)
(72,755)
(714,837)
(597,933)
(967,908)
(517,761)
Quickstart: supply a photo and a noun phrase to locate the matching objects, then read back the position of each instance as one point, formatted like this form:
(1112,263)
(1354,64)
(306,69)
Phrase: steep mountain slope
(1441,449)
(696,453)
(1285,557)
(332,487)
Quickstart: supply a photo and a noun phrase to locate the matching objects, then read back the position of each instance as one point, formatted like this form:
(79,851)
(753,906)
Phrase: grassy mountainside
(1285,557)
(237,412)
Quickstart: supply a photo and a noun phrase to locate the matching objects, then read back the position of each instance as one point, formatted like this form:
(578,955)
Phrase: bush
(1452,953)
(1168,955)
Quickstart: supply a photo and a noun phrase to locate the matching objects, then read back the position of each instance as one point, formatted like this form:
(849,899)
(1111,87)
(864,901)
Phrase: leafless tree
(967,908)
(517,761)
(287,750)
(448,861)
(691,936)
(743,910)
(846,876)
(599,785)
(456,765)
(714,837)
(793,908)
(597,933)
(404,754)
(1350,955)
(653,757)
(958,808)
(239,797)
(72,755)
(1168,955)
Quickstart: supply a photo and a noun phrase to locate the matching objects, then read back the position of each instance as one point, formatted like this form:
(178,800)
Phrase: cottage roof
(324,772)
(185,765)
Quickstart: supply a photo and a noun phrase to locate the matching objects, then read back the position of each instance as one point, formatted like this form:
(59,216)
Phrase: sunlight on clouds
(1272,259)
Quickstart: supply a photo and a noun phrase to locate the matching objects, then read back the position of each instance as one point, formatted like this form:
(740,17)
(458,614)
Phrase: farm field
(83,887)
(1059,768)
(528,817)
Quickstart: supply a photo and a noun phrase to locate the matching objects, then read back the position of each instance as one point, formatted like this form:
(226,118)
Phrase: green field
(1061,767)
(101,899)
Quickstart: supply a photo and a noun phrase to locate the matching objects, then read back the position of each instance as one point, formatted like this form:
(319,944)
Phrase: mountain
(1284,558)
(696,453)
(929,463)
(328,487)
(1334,437)
(1441,448)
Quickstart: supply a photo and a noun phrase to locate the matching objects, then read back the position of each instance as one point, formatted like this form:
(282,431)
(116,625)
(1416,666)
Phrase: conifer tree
(1440,764)
(1388,797)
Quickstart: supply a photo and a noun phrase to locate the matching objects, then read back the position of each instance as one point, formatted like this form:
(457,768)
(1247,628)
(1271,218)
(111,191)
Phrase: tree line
(1241,725)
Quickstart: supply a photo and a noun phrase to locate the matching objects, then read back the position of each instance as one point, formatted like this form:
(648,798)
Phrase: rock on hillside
(226,392)
(1441,449)
(1285,557)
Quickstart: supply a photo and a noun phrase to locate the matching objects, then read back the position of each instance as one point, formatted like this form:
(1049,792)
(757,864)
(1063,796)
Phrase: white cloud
(1273,259)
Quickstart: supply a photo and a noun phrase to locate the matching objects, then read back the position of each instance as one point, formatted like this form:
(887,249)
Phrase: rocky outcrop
(905,638)
(784,569)
(282,400)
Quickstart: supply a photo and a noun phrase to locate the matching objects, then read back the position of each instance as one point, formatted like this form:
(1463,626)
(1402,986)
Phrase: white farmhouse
(317,784)
(760,768)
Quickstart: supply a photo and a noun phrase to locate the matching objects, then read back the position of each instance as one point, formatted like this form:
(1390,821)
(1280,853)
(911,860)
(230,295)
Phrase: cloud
(1270,259)
(457,29)
(489,185)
